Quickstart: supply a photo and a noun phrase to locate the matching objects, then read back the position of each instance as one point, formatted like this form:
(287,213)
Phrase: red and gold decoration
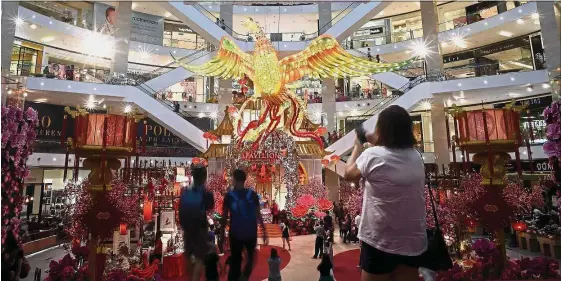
(271,76)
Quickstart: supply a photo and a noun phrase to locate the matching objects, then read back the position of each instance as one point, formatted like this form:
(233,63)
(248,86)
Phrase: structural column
(123,27)
(224,93)
(9,14)
(227,14)
(328,105)
(324,11)
(429,18)
(551,44)
(332,185)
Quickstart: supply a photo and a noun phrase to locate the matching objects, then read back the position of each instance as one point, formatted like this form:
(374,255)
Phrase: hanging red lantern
(335,158)
(123,229)
(204,162)
(321,131)
(232,109)
(196,160)
(147,210)
(519,226)
(470,222)
(325,162)
(213,138)
(207,135)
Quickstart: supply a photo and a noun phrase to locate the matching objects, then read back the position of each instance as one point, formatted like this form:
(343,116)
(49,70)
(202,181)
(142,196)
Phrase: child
(212,265)
(325,268)
(285,236)
(274,266)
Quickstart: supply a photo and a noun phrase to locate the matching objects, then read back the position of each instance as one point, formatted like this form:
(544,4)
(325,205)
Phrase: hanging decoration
(271,76)
(552,147)
(18,136)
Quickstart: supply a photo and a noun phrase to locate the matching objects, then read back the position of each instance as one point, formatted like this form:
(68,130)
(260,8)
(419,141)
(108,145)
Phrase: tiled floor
(301,267)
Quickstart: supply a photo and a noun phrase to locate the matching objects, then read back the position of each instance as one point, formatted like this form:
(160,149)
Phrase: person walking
(194,203)
(325,268)
(320,235)
(274,262)
(390,199)
(285,235)
(242,205)
(212,265)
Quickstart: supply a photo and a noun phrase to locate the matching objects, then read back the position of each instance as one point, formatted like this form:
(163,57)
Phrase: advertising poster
(145,28)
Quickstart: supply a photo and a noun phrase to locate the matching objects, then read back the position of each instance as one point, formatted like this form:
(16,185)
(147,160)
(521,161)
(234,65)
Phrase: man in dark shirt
(242,204)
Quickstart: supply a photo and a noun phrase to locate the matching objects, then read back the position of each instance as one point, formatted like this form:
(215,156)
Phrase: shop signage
(261,155)
(172,27)
(503,46)
(532,103)
(159,140)
(145,28)
(539,165)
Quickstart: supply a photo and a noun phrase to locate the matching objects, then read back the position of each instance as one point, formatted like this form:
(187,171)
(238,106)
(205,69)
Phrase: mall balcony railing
(280,36)
(386,37)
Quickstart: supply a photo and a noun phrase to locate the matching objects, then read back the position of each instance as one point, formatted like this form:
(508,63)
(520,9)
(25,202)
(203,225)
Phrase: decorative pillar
(324,11)
(439,136)
(551,39)
(227,14)
(123,28)
(328,105)
(332,185)
(429,18)
(224,92)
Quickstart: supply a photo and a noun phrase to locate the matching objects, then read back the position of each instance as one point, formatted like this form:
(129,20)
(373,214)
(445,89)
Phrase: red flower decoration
(319,214)
(324,205)
(299,211)
(306,201)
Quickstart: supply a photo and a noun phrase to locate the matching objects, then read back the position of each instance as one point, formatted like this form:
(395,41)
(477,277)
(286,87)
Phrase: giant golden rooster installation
(323,58)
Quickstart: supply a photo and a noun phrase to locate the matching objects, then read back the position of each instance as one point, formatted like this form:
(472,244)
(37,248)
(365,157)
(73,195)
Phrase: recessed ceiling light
(505,33)
(535,16)
(502,18)
(513,95)
(485,82)
(545,86)
(512,79)
(529,88)
(33,26)
(133,6)
(520,21)
(47,39)
(486,23)
(257,10)
(245,9)
(167,14)
(51,22)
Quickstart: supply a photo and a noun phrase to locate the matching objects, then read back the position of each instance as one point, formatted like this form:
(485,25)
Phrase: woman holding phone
(393,226)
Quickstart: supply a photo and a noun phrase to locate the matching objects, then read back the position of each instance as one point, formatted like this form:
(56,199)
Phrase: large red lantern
(519,226)
(207,135)
(321,131)
(123,229)
(324,162)
(196,160)
(335,158)
(147,212)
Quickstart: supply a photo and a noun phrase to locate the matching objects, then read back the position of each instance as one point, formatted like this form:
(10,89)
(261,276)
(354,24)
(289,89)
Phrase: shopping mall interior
(109,109)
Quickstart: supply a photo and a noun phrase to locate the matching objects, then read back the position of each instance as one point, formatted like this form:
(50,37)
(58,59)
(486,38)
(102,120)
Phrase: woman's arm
(352,173)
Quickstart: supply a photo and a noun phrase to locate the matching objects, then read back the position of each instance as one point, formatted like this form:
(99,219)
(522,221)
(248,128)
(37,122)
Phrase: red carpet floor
(261,269)
(345,265)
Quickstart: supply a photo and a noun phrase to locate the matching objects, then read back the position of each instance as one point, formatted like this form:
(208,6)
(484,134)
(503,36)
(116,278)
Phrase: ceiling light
(443,44)
(502,18)
(50,22)
(420,48)
(19,21)
(10,92)
(459,41)
(426,105)
(47,39)
(133,6)
(24,94)
(284,9)
(33,26)
(213,115)
(167,14)
(520,21)
(535,16)
(201,115)
(512,79)
(257,10)
(381,13)
(545,86)
(529,88)
(245,9)
(505,33)
(128,108)
(42,100)
(513,95)
(485,82)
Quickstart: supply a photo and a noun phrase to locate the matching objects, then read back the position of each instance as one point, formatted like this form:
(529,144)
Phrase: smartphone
(361,134)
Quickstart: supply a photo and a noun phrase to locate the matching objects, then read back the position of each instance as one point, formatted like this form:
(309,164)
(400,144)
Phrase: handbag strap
(436,223)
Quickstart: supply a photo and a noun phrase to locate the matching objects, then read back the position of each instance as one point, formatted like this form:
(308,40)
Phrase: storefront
(533,127)
(181,36)
(405,27)
(26,58)
(514,55)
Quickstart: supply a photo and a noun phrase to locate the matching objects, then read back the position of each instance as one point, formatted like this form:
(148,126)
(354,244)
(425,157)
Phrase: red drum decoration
(147,210)
(502,126)
(123,229)
(519,226)
(119,131)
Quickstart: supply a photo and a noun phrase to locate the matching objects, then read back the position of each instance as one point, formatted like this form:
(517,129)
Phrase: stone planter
(528,241)
(550,247)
